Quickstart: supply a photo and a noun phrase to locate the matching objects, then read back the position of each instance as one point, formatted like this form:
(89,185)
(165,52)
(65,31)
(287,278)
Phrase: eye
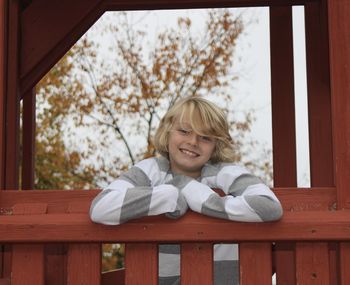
(184,132)
(206,139)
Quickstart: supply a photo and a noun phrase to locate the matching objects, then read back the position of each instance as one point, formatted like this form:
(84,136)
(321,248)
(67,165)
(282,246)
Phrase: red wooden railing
(32,221)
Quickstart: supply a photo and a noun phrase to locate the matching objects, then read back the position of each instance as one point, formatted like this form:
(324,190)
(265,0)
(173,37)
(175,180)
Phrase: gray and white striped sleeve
(133,195)
(247,199)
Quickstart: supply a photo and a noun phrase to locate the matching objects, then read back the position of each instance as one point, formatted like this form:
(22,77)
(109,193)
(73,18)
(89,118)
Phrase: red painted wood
(180,4)
(339,41)
(78,201)
(113,277)
(344,254)
(28,141)
(312,263)
(303,226)
(141,264)
(27,264)
(56,264)
(12,100)
(84,264)
(319,99)
(282,97)
(3,79)
(197,263)
(44,41)
(5,281)
(6,261)
(255,262)
(283,116)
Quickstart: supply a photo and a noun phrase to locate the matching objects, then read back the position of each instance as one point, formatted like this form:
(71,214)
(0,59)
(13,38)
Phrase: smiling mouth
(189,153)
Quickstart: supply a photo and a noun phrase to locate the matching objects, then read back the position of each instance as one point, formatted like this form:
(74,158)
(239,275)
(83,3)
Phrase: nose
(193,139)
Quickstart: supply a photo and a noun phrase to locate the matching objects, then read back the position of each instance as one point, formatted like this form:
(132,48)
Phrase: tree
(122,99)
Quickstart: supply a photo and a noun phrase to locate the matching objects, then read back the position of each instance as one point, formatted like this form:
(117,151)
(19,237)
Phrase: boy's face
(188,151)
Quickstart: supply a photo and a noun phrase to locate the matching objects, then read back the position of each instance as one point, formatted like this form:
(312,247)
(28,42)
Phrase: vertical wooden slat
(56,264)
(255,262)
(3,73)
(339,41)
(319,99)
(312,263)
(344,255)
(12,100)
(282,96)
(27,264)
(197,263)
(28,140)
(283,121)
(141,264)
(339,45)
(84,264)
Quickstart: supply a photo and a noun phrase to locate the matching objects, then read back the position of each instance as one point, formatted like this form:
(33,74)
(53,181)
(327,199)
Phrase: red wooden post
(3,43)
(344,249)
(28,140)
(339,42)
(319,96)
(141,263)
(197,263)
(27,264)
(84,264)
(12,99)
(283,121)
(255,262)
(312,263)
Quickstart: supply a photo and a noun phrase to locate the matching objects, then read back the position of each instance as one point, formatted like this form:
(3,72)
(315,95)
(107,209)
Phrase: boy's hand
(179,181)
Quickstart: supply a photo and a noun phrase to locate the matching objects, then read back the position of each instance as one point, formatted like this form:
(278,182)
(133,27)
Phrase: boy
(196,155)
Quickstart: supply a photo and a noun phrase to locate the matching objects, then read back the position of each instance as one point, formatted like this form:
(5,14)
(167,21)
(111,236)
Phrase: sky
(252,65)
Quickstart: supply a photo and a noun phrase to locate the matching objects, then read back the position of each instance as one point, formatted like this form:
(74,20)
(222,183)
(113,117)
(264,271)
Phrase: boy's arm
(132,196)
(247,198)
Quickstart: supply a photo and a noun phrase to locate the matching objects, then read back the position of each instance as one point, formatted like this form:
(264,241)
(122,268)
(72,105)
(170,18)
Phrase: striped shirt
(150,188)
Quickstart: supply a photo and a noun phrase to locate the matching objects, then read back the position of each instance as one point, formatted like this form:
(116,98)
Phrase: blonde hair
(205,118)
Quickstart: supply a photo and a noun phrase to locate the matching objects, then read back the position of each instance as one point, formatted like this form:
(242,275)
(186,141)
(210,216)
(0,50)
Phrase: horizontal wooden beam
(187,4)
(63,201)
(294,226)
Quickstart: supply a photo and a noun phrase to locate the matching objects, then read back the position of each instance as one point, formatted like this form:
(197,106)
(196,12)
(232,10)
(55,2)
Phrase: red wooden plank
(344,254)
(319,99)
(84,264)
(193,227)
(3,73)
(44,41)
(56,264)
(12,100)
(197,263)
(141,264)
(283,116)
(255,263)
(27,264)
(312,263)
(78,201)
(339,41)
(282,97)
(181,4)
(113,277)
(28,140)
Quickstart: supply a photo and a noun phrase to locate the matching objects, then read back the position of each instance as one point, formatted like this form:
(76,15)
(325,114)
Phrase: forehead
(192,121)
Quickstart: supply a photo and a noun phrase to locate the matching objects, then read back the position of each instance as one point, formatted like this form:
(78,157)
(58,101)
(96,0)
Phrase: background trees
(97,113)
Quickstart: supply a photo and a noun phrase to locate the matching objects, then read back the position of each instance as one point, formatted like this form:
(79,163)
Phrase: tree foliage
(97,115)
